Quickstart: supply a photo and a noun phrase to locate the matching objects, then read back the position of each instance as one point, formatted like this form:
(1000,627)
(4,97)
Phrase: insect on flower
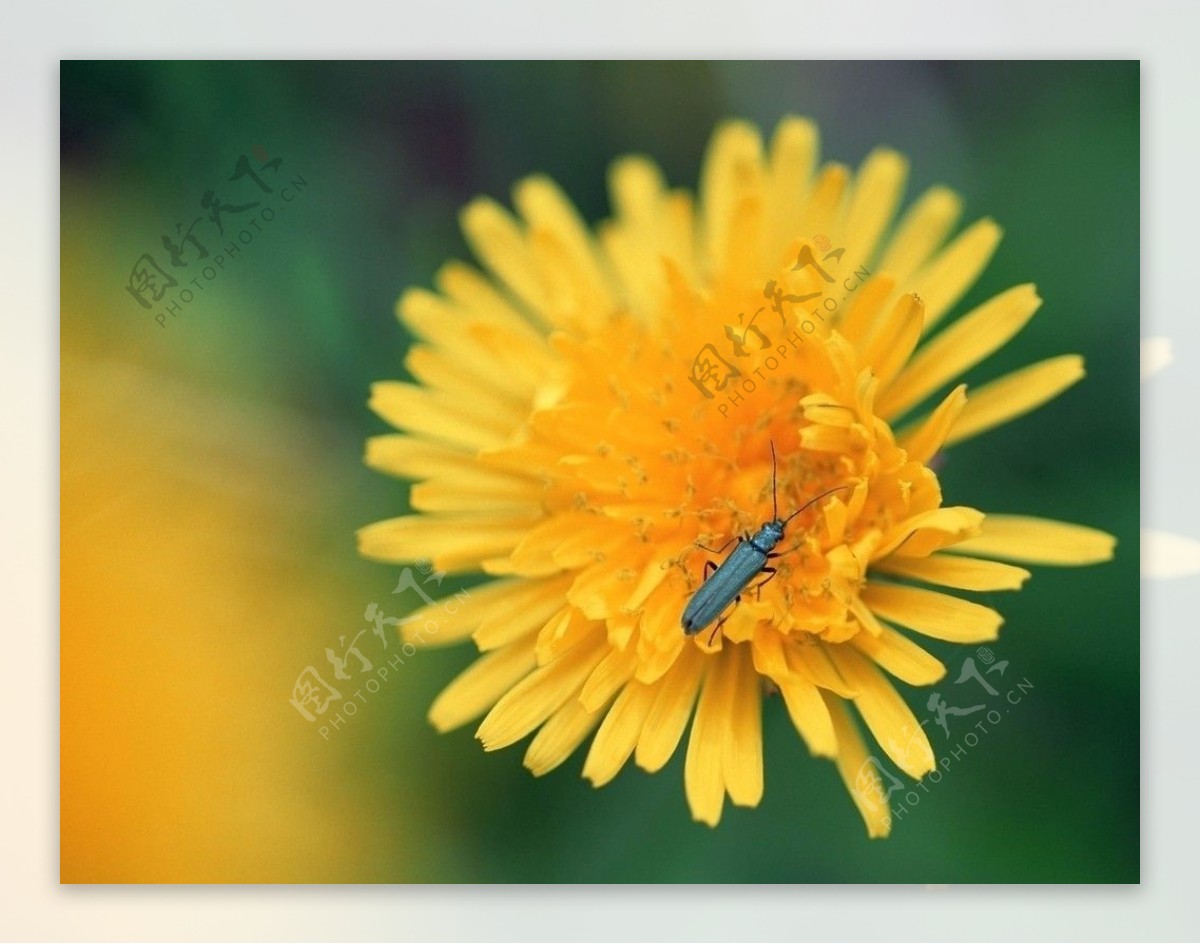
(566,439)
(724,584)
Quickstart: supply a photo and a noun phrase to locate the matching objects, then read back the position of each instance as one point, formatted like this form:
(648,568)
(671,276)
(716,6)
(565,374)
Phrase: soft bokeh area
(212,475)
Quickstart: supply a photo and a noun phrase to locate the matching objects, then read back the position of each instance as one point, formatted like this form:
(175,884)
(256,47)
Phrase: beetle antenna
(813,501)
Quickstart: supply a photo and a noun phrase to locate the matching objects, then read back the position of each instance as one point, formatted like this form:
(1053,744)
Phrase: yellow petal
(455,543)
(621,630)
(859,771)
(636,242)
(793,155)
(415,458)
(930,433)
(453,618)
(920,232)
(733,172)
(946,279)
(660,640)
(959,572)
(569,540)
(1039,541)
(637,190)
(866,619)
(481,685)
(891,721)
(900,656)
(703,776)
(806,708)
(653,574)
(824,206)
(478,490)
(437,415)
(934,614)
(504,356)
(672,707)
(541,693)
(446,370)
(1016,394)
(680,250)
(609,676)
(545,207)
(498,242)
(961,346)
(925,533)
(878,188)
(526,610)
(656,658)
(642,284)
(895,339)
(768,654)
(742,759)
(829,439)
(481,301)
(558,737)
(812,663)
(618,734)
(562,631)
(865,308)
(601,589)
(575,305)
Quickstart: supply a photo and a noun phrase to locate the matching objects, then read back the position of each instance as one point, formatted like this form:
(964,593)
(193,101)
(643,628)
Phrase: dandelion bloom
(592,405)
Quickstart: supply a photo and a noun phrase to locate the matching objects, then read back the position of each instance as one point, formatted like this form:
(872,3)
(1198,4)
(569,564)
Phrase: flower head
(594,407)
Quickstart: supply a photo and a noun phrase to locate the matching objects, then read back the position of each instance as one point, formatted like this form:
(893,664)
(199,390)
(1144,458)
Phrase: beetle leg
(710,568)
(795,547)
(762,583)
(717,550)
(721,621)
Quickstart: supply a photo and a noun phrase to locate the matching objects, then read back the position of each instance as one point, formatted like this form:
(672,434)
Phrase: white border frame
(32,904)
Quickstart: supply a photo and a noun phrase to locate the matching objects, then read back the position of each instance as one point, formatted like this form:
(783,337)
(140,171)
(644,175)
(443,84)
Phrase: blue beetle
(724,584)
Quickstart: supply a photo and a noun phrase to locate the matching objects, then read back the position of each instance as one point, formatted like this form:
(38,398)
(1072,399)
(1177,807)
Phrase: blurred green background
(274,360)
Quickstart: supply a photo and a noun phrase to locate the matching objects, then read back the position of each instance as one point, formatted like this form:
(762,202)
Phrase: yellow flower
(596,405)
